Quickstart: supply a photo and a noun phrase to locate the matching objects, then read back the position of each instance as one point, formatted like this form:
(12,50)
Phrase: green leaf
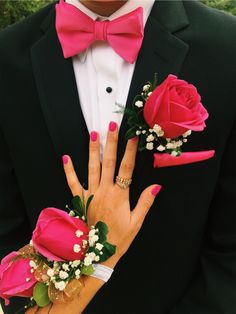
(87,270)
(103,231)
(89,202)
(78,206)
(40,294)
(131,133)
(108,250)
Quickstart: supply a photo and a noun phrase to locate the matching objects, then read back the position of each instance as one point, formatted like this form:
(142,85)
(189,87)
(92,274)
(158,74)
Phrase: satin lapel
(161,52)
(59,99)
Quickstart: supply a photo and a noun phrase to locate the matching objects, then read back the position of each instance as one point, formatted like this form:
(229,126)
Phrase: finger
(71,177)
(128,161)
(144,204)
(32,310)
(109,159)
(94,167)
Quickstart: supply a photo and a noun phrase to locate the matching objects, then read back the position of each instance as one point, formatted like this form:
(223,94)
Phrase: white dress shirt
(100,67)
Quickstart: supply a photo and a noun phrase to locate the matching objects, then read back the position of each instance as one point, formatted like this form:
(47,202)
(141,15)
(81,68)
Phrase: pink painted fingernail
(156,189)
(93,136)
(134,139)
(65,159)
(112,126)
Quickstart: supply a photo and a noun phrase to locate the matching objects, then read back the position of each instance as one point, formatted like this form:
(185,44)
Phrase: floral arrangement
(63,249)
(163,117)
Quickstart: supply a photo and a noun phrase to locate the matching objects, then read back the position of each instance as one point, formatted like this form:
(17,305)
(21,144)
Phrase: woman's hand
(111,203)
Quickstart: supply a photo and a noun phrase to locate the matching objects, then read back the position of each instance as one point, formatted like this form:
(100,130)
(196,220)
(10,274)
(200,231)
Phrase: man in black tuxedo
(188,239)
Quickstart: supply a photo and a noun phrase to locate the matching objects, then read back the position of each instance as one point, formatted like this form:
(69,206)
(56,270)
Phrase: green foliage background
(12,11)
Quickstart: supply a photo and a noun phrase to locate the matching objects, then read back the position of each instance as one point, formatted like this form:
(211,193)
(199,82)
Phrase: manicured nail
(65,159)
(134,139)
(112,126)
(93,136)
(156,189)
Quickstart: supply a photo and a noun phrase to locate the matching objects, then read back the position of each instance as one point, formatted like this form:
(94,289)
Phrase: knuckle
(127,166)
(138,224)
(147,203)
(113,137)
(94,147)
(108,162)
(94,169)
(73,183)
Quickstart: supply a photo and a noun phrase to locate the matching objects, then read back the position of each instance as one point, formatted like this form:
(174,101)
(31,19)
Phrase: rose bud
(16,278)
(60,237)
(176,106)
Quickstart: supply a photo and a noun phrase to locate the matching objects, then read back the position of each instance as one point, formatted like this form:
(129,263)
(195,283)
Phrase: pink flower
(176,106)
(59,236)
(16,278)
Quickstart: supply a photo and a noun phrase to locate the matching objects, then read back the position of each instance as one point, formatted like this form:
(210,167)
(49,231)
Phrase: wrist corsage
(63,249)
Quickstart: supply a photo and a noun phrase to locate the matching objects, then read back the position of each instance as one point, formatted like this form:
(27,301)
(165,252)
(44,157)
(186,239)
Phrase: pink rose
(59,236)
(176,106)
(16,278)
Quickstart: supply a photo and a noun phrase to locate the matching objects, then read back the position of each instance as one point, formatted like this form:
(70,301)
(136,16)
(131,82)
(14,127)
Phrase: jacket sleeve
(15,229)
(213,290)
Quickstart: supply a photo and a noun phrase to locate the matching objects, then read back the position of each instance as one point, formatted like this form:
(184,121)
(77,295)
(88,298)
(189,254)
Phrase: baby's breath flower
(138,132)
(97,258)
(150,138)
(50,272)
(170,145)
(32,264)
(63,274)
(161,148)
(75,263)
(146,87)
(87,261)
(76,248)
(187,133)
(65,266)
(174,153)
(60,285)
(99,246)
(139,104)
(149,146)
(77,274)
(79,233)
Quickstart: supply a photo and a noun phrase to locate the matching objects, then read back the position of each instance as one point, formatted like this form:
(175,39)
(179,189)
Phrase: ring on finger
(123,183)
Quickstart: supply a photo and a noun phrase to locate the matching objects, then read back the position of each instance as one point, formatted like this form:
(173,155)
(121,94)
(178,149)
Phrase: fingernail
(134,139)
(65,159)
(93,136)
(156,189)
(112,126)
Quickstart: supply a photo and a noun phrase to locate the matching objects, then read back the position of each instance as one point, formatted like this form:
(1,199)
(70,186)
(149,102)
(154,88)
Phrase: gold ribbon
(71,291)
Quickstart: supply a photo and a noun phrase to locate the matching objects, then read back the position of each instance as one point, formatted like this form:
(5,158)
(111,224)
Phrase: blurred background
(12,11)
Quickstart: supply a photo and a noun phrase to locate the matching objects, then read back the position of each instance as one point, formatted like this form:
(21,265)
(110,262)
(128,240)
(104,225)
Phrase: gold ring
(123,183)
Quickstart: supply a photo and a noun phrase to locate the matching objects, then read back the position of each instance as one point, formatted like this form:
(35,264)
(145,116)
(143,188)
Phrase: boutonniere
(163,117)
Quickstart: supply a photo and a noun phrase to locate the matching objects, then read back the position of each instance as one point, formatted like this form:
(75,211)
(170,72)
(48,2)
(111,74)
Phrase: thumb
(145,202)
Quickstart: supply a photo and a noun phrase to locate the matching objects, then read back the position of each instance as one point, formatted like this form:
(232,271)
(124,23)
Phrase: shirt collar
(129,6)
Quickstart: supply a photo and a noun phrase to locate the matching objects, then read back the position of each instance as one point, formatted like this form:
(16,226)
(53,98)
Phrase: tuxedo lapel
(161,52)
(59,99)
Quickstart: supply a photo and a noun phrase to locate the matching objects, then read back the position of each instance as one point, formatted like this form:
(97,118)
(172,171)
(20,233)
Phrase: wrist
(112,261)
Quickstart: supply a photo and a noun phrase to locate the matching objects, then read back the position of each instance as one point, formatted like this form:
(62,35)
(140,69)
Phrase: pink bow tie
(77,31)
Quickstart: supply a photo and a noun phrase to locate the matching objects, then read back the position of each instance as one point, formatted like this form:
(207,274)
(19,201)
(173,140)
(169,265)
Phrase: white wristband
(102,272)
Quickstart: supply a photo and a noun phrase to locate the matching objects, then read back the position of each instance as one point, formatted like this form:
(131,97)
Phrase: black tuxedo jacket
(183,260)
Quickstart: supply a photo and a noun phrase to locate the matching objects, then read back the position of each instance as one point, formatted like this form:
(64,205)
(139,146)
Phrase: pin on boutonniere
(163,117)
